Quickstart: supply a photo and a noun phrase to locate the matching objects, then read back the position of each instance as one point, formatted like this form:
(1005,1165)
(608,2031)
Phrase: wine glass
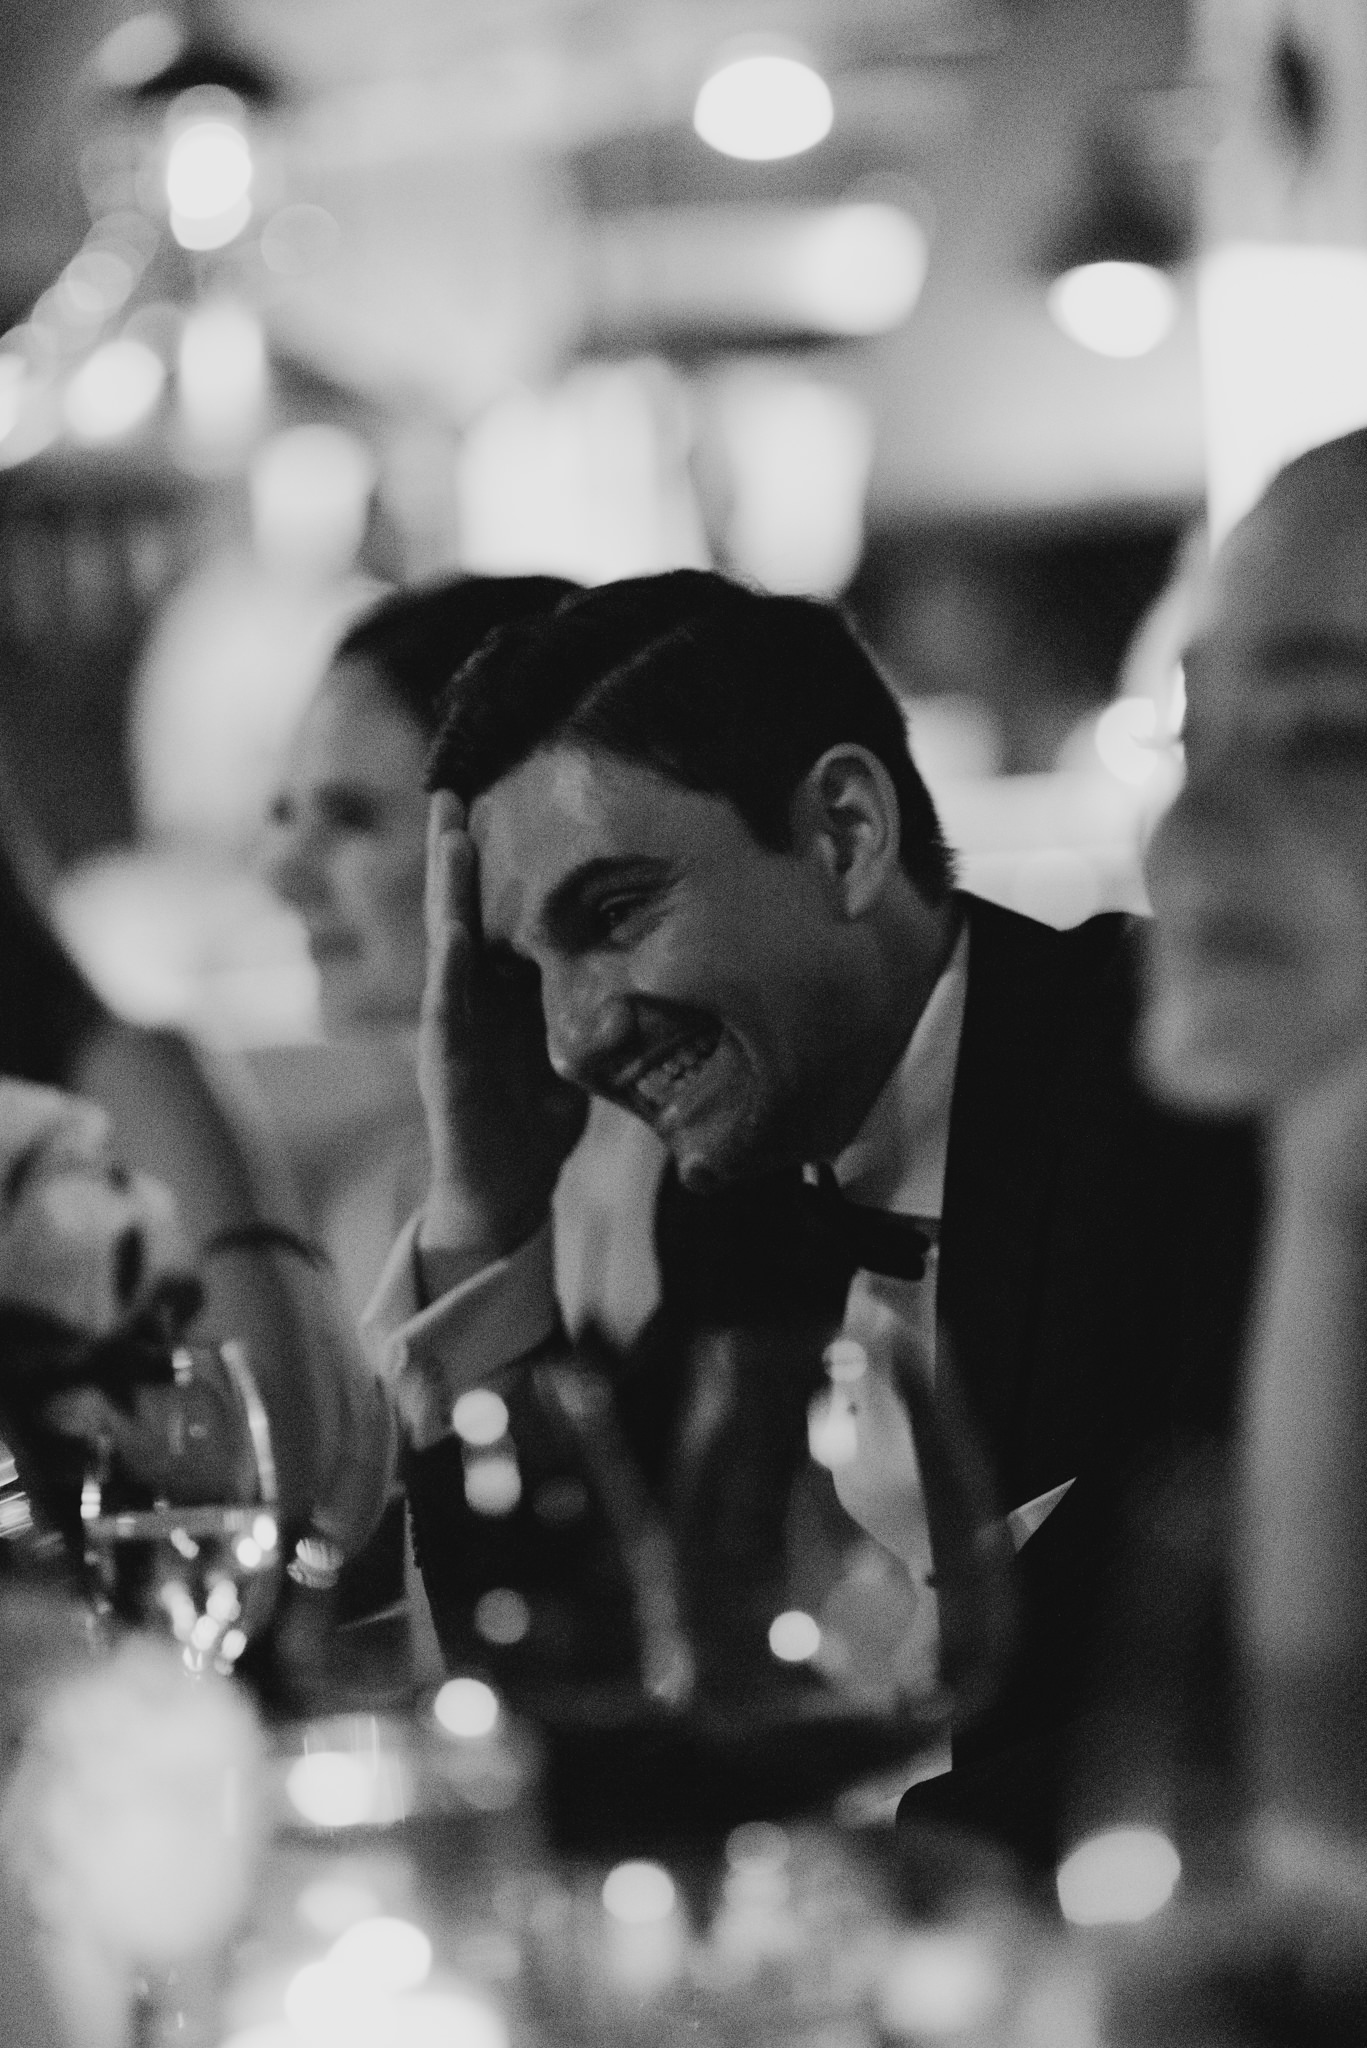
(179,1510)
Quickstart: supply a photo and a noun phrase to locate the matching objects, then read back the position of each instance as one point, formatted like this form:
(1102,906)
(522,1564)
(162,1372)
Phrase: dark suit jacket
(1094,1269)
(1095,1264)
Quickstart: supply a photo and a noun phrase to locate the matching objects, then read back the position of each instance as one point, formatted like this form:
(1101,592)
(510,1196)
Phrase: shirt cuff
(429,1355)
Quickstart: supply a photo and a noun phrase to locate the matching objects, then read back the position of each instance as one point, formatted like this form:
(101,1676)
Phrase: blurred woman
(344,845)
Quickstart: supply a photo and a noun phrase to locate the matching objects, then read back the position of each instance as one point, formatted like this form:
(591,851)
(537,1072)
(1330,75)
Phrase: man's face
(687,972)
(1259,872)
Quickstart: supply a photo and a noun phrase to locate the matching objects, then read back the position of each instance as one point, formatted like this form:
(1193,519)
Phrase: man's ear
(844,813)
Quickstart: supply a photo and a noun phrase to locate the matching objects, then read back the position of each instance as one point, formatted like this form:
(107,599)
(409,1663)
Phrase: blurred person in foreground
(179,1117)
(1259,1005)
(681,860)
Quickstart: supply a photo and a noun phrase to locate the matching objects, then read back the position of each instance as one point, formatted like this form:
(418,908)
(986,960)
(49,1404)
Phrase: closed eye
(611,913)
(604,903)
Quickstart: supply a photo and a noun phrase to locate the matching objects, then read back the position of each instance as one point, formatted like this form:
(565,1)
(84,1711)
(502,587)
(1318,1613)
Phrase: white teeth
(659,1082)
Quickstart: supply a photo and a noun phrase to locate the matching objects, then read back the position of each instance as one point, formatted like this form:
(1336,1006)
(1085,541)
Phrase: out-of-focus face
(344,844)
(1258,874)
(689,974)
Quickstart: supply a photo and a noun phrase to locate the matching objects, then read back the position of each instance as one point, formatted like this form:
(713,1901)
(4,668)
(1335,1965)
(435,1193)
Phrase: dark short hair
(712,686)
(415,640)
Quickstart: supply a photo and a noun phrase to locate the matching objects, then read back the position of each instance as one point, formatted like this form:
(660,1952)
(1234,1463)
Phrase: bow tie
(874,1240)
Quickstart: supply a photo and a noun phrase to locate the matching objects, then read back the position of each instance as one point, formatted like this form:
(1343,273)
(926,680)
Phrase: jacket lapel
(1004,1139)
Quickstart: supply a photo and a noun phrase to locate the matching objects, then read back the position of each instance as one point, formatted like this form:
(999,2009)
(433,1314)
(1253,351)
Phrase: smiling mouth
(661,1086)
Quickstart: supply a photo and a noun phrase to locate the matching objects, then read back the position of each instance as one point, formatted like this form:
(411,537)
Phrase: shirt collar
(897,1158)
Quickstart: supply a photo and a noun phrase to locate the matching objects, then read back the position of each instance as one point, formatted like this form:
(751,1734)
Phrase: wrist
(476,1232)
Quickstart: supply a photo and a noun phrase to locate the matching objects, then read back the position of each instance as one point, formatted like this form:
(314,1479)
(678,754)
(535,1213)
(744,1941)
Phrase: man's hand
(500,1124)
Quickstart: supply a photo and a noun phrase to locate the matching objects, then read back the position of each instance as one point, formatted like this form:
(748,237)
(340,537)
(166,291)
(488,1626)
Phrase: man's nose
(588,1019)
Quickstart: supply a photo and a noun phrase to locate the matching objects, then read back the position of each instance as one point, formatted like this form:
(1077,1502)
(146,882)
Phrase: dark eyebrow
(565,903)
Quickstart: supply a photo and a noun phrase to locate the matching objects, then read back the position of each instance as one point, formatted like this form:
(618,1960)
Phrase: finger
(448,847)
(451,906)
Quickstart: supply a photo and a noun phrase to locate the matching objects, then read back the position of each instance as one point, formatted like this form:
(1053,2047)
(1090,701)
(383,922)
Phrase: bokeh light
(139,48)
(493,1484)
(939,1986)
(763,106)
(639,1893)
(502,1615)
(466,1707)
(208,169)
(114,390)
(384,1954)
(1118,1877)
(332,1789)
(1116,309)
(480,1417)
(794,1637)
(859,267)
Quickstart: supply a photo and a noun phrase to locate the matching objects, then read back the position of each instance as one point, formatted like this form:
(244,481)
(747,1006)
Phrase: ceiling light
(763,106)
(113,391)
(208,169)
(1117,309)
(208,180)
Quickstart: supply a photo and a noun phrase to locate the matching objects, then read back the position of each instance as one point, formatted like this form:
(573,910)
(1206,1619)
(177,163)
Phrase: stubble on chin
(751,1147)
